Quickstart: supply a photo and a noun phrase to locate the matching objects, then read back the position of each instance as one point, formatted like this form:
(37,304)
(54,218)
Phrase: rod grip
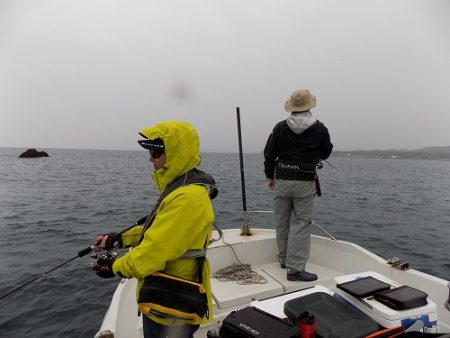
(84,252)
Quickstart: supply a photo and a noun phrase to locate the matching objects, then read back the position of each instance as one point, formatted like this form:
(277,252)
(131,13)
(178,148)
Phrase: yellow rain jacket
(183,220)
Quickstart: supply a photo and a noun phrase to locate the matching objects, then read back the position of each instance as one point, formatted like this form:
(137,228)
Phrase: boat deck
(229,294)
(329,259)
(260,252)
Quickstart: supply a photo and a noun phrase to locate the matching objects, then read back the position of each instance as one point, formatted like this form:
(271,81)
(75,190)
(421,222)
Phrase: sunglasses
(156,153)
(155,147)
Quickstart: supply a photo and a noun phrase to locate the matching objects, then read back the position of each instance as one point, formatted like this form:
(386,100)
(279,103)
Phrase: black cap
(156,144)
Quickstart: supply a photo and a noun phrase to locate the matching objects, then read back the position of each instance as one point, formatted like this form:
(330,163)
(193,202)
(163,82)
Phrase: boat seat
(229,294)
(325,276)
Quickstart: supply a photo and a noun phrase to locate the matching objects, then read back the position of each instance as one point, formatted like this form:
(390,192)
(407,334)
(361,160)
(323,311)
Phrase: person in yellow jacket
(181,222)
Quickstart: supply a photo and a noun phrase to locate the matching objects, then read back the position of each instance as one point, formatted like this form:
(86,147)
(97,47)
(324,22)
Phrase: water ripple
(52,208)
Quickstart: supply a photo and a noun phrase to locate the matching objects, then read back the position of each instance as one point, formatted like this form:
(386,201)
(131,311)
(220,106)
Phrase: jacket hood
(299,122)
(182,150)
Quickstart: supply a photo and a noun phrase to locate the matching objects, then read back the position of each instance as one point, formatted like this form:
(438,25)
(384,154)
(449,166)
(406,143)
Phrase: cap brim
(150,145)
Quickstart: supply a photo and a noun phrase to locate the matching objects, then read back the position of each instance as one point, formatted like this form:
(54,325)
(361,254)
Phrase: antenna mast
(245,227)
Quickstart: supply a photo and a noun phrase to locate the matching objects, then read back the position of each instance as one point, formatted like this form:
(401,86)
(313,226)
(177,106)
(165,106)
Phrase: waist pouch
(295,170)
(167,296)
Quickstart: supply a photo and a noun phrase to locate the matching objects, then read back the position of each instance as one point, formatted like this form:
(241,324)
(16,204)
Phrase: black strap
(201,263)
(193,176)
(317,183)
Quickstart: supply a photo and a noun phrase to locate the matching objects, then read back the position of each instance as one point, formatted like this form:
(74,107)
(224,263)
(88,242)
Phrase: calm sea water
(50,208)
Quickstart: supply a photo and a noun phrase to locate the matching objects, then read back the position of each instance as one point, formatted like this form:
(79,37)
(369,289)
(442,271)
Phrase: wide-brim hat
(300,100)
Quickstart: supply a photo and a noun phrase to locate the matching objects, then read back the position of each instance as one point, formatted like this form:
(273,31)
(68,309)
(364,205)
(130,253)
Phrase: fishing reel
(103,255)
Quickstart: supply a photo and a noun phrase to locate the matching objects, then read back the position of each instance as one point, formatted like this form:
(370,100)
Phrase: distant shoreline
(438,153)
(430,153)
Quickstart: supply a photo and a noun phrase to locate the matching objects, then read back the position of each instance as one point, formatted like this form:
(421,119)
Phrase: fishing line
(80,254)
(332,166)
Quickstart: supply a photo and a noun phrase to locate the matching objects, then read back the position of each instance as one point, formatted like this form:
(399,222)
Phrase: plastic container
(382,314)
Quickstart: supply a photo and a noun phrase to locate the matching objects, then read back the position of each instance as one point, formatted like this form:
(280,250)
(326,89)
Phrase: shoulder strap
(176,183)
(201,263)
(193,176)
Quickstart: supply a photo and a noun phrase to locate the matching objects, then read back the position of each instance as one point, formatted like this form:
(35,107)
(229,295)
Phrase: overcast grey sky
(91,73)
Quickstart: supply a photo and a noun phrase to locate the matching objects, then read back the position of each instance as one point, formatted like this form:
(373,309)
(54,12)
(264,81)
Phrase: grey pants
(293,204)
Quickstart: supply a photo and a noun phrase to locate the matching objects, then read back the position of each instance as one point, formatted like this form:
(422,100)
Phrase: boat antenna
(245,227)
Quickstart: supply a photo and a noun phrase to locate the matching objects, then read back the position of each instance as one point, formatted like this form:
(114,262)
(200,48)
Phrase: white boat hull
(329,259)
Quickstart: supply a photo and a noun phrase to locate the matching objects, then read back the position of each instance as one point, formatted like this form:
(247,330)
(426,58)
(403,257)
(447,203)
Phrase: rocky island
(31,153)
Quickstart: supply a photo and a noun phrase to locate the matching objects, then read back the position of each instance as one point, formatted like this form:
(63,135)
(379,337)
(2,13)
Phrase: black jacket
(294,156)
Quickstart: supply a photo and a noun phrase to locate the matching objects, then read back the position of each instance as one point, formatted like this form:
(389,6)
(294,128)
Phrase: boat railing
(447,303)
(246,223)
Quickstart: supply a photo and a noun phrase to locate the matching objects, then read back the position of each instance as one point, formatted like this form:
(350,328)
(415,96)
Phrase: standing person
(181,223)
(292,152)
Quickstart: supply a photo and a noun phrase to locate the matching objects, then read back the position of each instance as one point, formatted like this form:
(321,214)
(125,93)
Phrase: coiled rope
(241,273)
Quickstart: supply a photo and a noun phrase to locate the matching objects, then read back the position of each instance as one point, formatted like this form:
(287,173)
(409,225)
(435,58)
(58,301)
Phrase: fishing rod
(332,166)
(80,254)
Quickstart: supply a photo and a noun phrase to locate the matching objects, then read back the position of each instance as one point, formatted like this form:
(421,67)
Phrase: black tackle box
(251,322)
(333,318)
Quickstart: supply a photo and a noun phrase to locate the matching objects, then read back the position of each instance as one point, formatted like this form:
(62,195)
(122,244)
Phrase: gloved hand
(102,264)
(107,242)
